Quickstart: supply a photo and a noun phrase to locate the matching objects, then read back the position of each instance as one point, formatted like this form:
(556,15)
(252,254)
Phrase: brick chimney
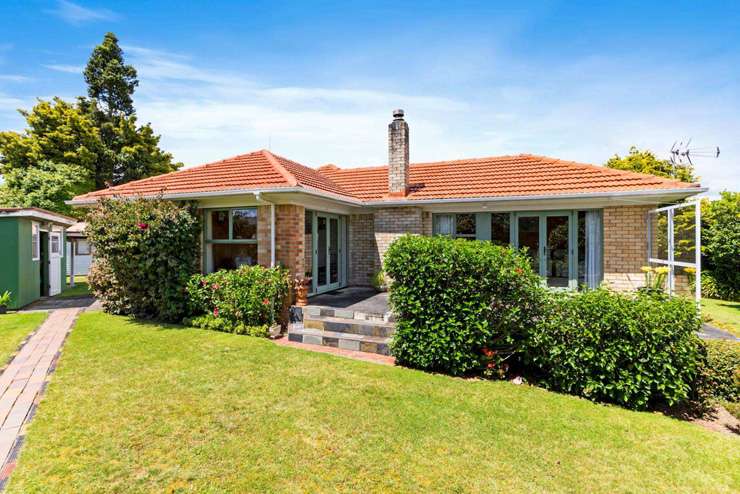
(398,156)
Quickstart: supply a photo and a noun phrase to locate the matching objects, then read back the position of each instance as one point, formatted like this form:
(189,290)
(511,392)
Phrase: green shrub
(214,323)
(711,289)
(461,306)
(719,372)
(240,299)
(145,253)
(635,350)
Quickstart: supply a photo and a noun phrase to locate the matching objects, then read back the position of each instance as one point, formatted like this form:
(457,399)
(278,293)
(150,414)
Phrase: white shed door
(55,263)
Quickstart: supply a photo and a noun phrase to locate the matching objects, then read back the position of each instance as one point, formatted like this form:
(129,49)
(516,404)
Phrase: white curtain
(444,224)
(594,246)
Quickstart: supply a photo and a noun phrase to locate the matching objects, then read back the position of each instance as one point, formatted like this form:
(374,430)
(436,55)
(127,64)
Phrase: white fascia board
(39,215)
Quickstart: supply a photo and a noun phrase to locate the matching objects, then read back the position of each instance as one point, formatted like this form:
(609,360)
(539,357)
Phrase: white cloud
(75,14)
(70,69)
(14,78)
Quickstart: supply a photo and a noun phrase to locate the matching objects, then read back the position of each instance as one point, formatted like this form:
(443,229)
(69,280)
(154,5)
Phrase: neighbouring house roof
(77,230)
(502,176)
(37,214)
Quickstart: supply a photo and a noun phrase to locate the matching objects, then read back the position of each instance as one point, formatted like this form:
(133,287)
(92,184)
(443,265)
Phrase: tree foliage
(721,242)
(97,139)
(646,162)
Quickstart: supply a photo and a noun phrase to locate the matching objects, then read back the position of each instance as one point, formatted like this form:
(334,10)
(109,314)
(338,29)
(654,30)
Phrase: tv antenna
(682,153)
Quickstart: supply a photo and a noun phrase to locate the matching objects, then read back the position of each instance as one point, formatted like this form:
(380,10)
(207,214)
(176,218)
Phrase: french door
(549,238)
(328,240)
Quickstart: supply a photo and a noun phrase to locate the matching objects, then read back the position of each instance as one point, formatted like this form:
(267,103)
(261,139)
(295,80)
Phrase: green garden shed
(32,263)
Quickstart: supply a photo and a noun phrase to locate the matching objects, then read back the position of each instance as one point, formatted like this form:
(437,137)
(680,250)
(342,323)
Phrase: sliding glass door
(546,237)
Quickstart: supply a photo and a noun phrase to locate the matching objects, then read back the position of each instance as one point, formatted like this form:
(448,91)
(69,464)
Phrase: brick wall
(289,237)
(363,254)
(625,246)
(391,223)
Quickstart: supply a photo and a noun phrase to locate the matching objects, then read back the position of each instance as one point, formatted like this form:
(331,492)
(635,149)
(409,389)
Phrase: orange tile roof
(501,176)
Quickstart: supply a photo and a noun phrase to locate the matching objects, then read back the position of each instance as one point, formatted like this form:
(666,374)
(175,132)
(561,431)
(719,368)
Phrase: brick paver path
(341,352)
(22,382)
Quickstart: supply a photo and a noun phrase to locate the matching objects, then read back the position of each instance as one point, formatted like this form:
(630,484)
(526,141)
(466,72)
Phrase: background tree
(721,244)
(646,162)
(83,146)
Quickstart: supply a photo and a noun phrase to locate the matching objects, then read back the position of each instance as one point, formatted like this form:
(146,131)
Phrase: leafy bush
(5,298)
(721,244)
(710,288)
(461,306)
(719,372)
(635,350)
(145,253)
(239,300)
(214,323)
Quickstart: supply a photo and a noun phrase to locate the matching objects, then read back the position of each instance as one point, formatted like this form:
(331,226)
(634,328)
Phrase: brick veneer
(289,237)
(363,253)
(391,223)
(625,246)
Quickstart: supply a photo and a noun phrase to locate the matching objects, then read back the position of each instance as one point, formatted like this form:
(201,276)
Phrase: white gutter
(586,195)
(38,215)
(411,202)
(259,198)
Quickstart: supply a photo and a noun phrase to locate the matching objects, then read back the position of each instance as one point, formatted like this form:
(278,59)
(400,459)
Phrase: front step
(347,341)
(341,328)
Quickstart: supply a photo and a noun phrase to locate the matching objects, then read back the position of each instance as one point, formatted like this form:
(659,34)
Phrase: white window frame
(671,262)
(35,241)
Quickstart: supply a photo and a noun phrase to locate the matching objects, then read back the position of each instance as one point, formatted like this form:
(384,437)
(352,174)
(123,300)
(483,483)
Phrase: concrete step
(320,310)
(352,326)
(347,341)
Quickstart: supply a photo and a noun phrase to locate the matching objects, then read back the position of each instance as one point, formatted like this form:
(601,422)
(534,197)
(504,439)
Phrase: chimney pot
(398,114)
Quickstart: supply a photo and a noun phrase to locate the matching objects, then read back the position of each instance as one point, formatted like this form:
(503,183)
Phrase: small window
(82,248)
(244,224)
(500,228)
(35,245)
(54,243)
(465,226)
(220,225)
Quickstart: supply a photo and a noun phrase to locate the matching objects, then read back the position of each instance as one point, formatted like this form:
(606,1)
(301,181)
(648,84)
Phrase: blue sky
(317,81)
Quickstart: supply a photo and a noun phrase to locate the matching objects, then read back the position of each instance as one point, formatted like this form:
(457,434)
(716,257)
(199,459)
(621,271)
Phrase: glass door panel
(321,263)
(333,250)
(529,237)
(557,262)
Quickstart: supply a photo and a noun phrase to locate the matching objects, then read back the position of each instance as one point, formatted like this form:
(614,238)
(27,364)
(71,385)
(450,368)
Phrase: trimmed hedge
(719,372)
(246,300)
(145,252)
(461,306)
(636,350)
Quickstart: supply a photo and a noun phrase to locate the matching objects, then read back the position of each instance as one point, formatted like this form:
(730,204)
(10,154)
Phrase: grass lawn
(723,314)
(142,407)
(80,289)
(14,328)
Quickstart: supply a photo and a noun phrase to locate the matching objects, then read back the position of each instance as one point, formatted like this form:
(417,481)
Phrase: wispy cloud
(75,14)
(14,78)
(70,69)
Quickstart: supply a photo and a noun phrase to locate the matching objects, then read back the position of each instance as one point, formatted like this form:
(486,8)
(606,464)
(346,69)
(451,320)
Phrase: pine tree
(109,80)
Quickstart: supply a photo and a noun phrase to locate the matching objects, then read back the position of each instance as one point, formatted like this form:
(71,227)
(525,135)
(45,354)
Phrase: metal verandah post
(671,256)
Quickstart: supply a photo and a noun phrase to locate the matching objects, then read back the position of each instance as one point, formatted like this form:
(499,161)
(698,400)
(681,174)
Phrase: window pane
(82,248)
(55,244)
(529,237)
(465,225)
(231,256)
(219,225)
(443,224)
(321,258)
(245,224)
(557,258)
(333,250)
(500,229)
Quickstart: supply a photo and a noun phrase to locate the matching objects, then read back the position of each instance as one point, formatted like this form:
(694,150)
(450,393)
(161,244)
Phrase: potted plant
(379,281)
(301,284)
(4,302)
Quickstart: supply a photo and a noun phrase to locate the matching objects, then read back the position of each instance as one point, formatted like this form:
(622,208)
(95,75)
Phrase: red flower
(215,286)
(519,270)
(215,312)
(142,226)
(266,302)
(487,352)
(491,365)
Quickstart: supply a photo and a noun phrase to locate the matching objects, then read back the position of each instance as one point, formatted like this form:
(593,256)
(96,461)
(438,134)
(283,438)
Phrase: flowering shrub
(238,300)
(145,252)
(636,350)
(461,306)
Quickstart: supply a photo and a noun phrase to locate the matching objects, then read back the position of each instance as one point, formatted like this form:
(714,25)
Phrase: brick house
(583,224)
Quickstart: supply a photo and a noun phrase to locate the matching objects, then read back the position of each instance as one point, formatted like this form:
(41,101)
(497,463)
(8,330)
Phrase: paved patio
(358,299)
(24,380)
(53,303)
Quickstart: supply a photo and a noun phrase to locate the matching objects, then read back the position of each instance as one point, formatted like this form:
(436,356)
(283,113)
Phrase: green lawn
(145,408)
(14,328)
(723,314)
(80,289)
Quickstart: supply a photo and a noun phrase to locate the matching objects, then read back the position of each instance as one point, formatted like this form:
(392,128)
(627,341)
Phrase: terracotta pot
(301,294)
